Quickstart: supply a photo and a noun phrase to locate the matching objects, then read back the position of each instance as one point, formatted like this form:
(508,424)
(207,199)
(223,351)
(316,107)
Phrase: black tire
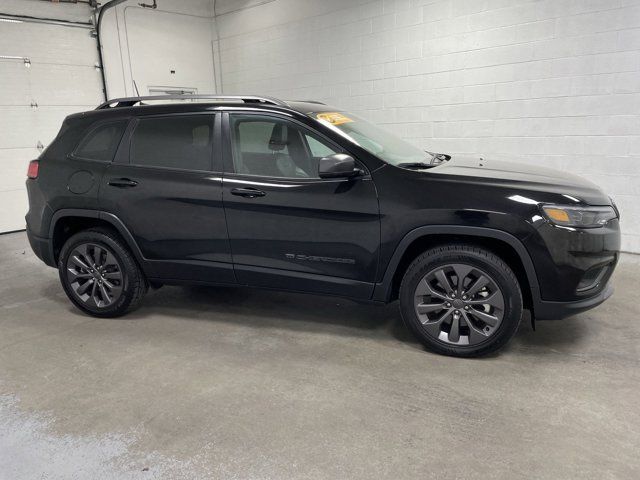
(128,279)
(502,278)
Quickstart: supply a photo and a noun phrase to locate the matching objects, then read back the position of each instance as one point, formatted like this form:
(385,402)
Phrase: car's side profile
(300,196)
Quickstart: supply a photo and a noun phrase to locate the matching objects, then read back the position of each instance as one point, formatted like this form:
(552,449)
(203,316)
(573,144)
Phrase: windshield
(372,138)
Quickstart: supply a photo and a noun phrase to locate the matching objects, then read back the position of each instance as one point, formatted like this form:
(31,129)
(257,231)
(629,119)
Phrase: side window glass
(271,147)
(101,143)
(317,148)
(180,141)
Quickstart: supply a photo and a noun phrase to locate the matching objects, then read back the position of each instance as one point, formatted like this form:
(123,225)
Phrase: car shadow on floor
(551,334)
(258,308)
(314,313)
(274,309)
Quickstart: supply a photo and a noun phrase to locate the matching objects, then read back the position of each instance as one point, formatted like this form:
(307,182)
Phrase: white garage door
(46,73)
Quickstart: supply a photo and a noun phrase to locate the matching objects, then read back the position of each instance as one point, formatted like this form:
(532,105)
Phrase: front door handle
(122,182)
(248,192)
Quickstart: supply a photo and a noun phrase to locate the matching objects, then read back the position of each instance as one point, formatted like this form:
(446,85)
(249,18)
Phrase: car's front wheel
(99,274)
(461,300)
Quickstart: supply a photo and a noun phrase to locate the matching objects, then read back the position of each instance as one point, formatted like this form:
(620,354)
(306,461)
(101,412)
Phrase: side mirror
(338,165)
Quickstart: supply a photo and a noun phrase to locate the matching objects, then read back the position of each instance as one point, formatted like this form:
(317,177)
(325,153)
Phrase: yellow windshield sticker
(334,118)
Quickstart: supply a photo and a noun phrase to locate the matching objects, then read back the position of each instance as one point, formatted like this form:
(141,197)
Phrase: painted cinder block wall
(550,82)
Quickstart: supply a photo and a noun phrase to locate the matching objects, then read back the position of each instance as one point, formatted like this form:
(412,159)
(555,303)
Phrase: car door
(165,185)
(287,227)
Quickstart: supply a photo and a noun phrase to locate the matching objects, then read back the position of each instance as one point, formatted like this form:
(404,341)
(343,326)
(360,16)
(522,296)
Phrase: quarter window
(101,143)
(318,149)
(272,147)
(181,141)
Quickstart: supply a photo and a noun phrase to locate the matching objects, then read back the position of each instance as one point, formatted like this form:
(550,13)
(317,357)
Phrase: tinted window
(101,143)
(318,149)
(271,147)
(174,142)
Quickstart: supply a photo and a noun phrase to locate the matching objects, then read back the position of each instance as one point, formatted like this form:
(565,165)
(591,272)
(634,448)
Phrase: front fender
(384,289)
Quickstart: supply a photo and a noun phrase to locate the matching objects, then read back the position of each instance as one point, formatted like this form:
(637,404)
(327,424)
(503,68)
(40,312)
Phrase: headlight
(580,217)
(615,207)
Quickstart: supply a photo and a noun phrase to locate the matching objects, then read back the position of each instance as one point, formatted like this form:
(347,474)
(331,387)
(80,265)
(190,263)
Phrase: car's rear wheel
(99,274)
(461,300)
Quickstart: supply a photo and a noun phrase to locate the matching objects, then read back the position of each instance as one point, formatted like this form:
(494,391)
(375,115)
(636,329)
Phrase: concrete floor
(246,384)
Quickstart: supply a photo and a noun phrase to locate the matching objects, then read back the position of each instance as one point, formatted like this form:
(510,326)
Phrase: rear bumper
(41,247)
(558,310)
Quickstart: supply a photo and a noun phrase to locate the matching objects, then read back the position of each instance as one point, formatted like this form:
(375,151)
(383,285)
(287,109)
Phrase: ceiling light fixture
(10,20)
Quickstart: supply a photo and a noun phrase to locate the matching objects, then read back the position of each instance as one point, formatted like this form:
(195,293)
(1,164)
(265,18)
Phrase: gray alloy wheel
(459,304)
(95,275)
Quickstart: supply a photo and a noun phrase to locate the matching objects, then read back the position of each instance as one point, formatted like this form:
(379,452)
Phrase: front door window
(271,147)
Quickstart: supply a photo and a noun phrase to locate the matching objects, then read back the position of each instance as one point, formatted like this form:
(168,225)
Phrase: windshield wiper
(417,165)
(436,159)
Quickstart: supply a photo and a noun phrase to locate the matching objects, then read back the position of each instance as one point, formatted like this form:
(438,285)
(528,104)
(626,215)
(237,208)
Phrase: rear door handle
(122,182)
(248,192)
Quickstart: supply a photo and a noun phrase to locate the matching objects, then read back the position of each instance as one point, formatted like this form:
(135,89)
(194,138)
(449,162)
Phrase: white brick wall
(549,82)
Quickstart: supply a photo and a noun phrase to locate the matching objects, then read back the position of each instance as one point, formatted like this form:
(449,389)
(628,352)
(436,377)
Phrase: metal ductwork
(103,9)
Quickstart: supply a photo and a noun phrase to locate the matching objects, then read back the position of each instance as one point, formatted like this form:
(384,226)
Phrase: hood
(525,177)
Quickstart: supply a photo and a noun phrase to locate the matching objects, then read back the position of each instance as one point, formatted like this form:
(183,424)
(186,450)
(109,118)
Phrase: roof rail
(131,101)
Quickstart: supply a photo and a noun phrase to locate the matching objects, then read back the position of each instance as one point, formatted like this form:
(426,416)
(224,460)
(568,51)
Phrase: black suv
(300,196)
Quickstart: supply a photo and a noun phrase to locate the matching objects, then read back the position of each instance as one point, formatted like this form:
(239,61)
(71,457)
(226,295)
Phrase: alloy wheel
(459,304)
(95,275)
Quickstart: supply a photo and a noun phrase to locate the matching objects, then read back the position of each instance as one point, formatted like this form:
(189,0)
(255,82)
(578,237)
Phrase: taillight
(32,171)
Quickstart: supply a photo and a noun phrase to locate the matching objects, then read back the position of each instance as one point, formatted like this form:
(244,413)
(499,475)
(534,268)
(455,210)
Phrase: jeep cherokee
(301,196)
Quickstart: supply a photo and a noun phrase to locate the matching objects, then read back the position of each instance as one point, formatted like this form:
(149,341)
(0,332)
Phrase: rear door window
(180,142)
(102,142)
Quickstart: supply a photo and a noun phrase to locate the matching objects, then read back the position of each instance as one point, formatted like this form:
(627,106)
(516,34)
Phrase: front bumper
(544,310)
(573,266)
